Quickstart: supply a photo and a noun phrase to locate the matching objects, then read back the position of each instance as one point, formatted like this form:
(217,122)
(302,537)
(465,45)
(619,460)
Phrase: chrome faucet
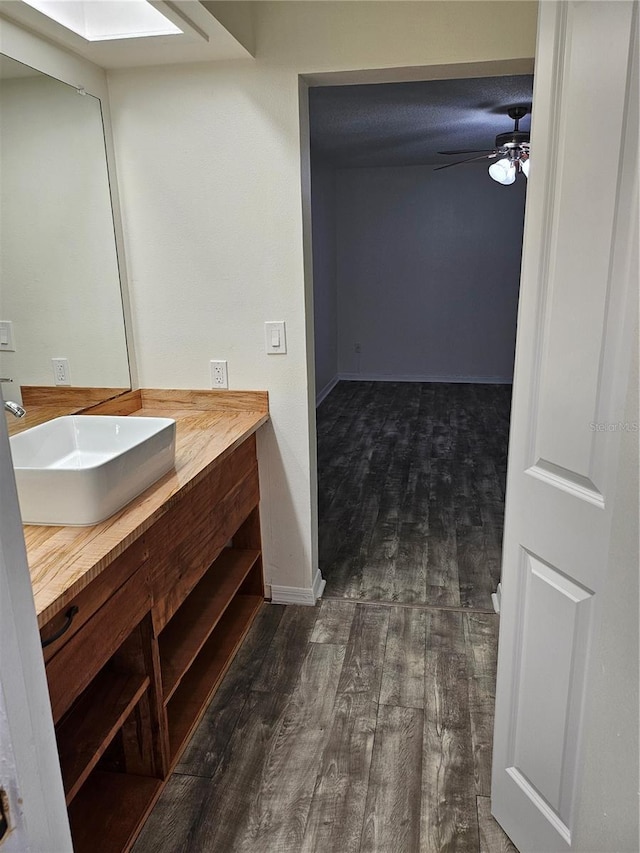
(16,410)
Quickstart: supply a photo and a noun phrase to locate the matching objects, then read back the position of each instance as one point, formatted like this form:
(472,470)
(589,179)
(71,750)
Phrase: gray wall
(428,267)
(323,211)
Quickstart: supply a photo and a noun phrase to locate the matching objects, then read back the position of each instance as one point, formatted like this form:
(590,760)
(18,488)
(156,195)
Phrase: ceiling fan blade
(469,151)
(459,162)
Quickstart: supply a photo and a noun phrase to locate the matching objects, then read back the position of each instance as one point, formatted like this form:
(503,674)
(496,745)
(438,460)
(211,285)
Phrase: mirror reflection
(60,295)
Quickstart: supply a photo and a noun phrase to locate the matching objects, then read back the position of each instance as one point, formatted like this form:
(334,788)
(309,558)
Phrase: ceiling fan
(511,147)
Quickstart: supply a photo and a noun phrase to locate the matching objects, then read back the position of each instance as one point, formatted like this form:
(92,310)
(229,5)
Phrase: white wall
(325,294)
(59,282)
(428,273)
(209,161)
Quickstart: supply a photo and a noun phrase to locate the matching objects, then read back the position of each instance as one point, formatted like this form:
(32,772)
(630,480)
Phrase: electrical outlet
(219,375)
(61,371)
(357,348)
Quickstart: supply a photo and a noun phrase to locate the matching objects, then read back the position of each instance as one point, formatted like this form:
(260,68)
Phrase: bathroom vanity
(143,613)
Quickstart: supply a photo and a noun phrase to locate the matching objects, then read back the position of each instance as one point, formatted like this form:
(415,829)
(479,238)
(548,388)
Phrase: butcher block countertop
(209,426)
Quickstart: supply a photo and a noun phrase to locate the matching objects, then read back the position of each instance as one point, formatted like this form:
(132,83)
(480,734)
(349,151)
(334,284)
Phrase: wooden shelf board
(190,701)
(187,632)
(90,726)
(110,809)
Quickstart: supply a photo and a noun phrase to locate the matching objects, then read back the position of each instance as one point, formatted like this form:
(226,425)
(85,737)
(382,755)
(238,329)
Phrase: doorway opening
(415,291)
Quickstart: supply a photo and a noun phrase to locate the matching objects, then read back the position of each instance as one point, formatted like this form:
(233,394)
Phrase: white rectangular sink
(80,469)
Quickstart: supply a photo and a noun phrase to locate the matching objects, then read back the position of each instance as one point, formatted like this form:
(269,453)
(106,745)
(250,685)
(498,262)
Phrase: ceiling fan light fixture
(512,147)
(503,171)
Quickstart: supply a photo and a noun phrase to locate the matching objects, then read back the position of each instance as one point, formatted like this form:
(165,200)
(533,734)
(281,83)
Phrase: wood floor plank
(446,632)
(287,651)
(334,824)
(382,570)
(412,580)
(362,670)
(442,510)
(344,539)
(280,811)
(204,752)
(404,660)
(478,567)
(232,794)
(449,818)
(392,811)
(346,529)
(492,837)
(334,621)
(172,822)
(481,636)
(443,584)
(415,501)
(481,639)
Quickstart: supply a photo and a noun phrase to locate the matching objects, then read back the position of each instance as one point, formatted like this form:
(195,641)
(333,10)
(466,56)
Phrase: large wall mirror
(59,281)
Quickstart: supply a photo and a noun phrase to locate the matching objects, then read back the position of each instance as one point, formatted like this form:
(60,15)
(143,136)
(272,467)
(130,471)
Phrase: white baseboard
(496,598)
(328,388)
(376,377)
(299,595)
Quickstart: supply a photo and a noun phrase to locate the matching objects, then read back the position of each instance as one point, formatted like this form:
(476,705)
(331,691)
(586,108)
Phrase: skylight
(100,20)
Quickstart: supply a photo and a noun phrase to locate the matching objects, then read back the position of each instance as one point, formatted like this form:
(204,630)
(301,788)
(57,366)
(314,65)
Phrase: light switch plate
(6,336)
(275,337)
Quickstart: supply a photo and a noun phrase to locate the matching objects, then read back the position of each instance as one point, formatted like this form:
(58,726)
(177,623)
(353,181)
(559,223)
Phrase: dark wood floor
(343,727)
(411,483)
(364,724)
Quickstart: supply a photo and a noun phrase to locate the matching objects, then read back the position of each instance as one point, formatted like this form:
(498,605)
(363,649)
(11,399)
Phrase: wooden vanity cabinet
(151,639)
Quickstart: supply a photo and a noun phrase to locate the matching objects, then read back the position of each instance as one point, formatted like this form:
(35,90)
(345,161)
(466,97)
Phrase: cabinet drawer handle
(71,612)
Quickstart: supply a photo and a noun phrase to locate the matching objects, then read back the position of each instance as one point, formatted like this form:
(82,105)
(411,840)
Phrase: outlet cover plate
(219,374)
(61,374)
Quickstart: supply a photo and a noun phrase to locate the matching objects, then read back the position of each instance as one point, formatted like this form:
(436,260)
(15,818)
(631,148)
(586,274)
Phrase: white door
(573,355)
(33,798)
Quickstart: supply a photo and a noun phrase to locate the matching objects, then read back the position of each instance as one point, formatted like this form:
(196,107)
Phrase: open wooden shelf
(90,726)
(108,811)
(188,631)
(189,701)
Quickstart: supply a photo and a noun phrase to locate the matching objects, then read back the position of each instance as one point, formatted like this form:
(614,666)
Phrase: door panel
(572,359)
(556,615)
